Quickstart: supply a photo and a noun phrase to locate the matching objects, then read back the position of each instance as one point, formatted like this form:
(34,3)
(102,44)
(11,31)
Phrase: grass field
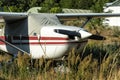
(98,61)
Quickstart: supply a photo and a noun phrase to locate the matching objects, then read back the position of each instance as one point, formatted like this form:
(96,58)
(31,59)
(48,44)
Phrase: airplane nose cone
(84,34)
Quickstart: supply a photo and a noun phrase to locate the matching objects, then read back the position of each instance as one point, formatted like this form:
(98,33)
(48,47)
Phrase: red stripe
(36,38)
(59,43)
(38,43)
(54,42)
(33,38)
(53,38)
(2,43)
(2,37)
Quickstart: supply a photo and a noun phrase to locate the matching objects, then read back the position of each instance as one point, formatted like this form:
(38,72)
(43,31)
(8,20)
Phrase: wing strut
(14,46)
(88,19)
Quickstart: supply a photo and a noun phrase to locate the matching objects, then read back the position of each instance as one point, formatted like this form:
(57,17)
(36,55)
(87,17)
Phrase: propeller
(97,37)
(82,34)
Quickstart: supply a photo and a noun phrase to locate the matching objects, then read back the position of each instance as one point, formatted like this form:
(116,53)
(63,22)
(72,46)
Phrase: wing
(9,16)
(88,15)
(16,23)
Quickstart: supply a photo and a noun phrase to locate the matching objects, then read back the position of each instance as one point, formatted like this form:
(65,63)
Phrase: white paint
(84,34)
(48,51)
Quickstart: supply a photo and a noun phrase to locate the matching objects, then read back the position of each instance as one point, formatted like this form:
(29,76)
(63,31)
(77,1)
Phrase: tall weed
(96,62)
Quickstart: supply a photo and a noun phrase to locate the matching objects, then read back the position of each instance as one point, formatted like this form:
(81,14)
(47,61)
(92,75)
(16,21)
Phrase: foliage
(66,3)
(18,5)
(51,5)
(116,31)
(83,4)
(98,5)
(55,10)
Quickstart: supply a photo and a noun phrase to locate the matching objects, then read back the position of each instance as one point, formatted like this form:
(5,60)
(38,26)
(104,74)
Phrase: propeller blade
(97,37)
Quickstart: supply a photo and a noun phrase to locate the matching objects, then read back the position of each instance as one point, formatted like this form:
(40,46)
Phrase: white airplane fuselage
(47,44)
(43,35)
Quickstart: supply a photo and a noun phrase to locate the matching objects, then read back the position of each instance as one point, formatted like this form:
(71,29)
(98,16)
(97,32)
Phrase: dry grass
(94,64)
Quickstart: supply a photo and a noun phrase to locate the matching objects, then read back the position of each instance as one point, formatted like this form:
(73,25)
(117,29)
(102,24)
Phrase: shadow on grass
(100,51)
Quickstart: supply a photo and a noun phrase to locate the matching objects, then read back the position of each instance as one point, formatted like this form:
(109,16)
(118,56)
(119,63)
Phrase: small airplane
(42,35)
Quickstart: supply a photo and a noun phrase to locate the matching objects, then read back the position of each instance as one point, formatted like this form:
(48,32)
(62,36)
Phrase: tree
(83,4)
(55,10)
(19,5)
(50,6)
(67,3)
(98,5)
